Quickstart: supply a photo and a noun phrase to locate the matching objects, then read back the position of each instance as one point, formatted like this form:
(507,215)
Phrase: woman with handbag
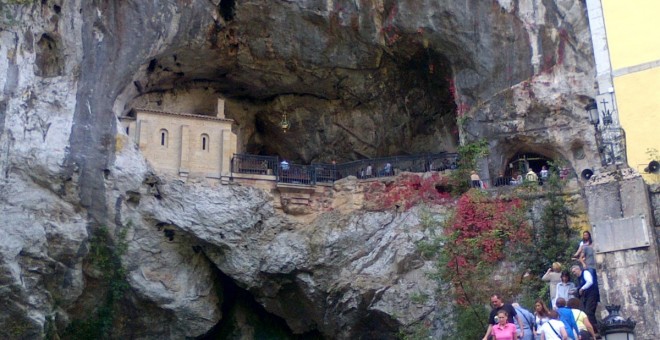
(553,329)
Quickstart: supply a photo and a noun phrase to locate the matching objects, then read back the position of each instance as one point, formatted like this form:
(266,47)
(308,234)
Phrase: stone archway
(522,161)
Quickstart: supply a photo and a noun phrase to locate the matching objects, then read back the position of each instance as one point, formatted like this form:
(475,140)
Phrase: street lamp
(594,117)
(610,138)
(615,327)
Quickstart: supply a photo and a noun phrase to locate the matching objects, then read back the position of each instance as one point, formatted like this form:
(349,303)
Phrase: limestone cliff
(356,78)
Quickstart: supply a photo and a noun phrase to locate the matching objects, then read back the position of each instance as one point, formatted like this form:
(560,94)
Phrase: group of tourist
(572,312)
(517,178)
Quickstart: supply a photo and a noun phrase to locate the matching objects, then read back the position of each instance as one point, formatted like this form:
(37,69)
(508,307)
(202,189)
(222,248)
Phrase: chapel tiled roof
(189,115)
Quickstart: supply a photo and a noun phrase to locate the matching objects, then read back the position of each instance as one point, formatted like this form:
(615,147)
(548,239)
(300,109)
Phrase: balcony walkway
(273,168)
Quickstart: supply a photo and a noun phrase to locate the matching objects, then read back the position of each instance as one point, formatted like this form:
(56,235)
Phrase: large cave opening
(243,317)
(404,106)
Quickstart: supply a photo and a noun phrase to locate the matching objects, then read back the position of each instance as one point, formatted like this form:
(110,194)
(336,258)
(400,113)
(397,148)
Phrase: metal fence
(254,164)
(388,166)
(329,173)
(297,174)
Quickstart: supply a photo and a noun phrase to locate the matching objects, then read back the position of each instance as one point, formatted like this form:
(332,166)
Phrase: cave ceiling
(378,78)
(355,82)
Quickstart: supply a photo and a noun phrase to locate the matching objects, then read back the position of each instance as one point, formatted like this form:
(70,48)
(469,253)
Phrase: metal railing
(297,174)
(326,173)
(329,173)
(388,166)
(254,164)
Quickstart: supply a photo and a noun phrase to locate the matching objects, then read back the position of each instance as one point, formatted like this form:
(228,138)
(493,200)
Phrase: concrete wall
(639,105)
(630,277)
(635,65)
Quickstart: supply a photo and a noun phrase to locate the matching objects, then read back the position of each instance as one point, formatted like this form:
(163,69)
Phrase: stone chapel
(184,144)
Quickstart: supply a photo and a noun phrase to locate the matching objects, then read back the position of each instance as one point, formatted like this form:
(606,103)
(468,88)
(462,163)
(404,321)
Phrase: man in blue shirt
(566,316)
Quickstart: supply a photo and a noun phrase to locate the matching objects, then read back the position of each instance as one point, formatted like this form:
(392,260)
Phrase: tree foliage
(468,157)
(555,238)
(481,232)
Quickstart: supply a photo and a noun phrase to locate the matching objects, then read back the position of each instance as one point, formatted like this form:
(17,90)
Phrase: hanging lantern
(284,124)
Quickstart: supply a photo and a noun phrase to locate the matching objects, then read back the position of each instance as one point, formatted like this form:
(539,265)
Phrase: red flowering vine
(482,232)
(406,191)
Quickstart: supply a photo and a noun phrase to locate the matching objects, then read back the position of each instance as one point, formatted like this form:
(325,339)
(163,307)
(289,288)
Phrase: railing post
(313,177)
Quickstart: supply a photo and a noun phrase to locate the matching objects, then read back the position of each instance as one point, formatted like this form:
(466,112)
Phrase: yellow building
(632,29)
(184,144)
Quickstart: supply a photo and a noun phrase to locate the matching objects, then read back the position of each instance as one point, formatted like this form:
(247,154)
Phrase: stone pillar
(143,135)
(626,247)
(228,148)
(601,49)
(184,153)
(220,110)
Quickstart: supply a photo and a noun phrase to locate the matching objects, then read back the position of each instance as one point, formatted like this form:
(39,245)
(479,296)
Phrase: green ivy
(468,156)
(105,257)
(555,238)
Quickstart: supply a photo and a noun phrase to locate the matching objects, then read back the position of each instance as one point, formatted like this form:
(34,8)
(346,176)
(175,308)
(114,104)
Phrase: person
(566,316)
(587,258)
(544,174)
(531,176)
(565,288)
(588,292)
(517,179)
(541,316)
(504,330)
(475,181)
(368,171)
(553,329)
(497,305)
(284,165)
(387,169)
(553,277)
(586,330)
(585,253)
(586,241)
(527,325)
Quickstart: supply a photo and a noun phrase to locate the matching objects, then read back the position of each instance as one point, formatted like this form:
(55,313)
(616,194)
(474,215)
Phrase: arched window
(163,137)
(205,142)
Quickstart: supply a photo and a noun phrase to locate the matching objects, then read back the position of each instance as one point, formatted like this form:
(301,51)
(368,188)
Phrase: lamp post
(615,327)
(610,138)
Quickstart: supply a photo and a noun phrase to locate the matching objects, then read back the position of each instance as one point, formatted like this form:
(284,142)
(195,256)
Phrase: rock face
(356,79)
